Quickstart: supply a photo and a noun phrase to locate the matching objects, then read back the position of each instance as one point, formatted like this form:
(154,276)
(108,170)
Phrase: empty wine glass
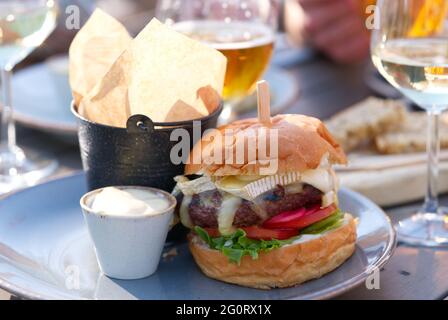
(24,25)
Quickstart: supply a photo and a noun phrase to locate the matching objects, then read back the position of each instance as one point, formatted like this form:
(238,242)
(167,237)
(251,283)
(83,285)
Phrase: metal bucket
(138,155)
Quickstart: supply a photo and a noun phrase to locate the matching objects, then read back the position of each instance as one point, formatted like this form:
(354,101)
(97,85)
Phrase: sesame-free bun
(302,143)
(287,266)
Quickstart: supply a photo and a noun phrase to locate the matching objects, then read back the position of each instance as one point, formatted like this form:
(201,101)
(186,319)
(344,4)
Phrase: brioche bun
(302,143)
(287,266)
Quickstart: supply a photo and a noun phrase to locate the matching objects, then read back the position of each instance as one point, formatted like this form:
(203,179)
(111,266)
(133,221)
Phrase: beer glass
(243,30)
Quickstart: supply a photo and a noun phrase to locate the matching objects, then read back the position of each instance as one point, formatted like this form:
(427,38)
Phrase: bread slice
(287,266)
(364,120)
(411,135)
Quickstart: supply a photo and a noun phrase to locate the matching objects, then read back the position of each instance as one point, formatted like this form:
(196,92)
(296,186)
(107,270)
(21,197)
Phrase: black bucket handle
(139,123)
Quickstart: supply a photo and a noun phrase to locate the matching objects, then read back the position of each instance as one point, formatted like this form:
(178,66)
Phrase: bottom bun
(287,266)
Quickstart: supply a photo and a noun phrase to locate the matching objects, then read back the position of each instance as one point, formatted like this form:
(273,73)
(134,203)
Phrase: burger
(266,229)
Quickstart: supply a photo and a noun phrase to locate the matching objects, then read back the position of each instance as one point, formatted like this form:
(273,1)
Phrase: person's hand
(333,26)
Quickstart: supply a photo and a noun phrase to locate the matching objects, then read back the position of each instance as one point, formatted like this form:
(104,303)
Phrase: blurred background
(303,30)
(315,55)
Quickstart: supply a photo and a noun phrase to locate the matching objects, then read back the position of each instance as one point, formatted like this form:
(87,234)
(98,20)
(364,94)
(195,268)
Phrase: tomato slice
(258,233)
(255,232)
(213,232)
(299,219)
(284,218)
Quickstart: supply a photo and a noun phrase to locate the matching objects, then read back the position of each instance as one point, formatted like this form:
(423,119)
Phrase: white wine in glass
(24,25)
(418,67)
(410,50)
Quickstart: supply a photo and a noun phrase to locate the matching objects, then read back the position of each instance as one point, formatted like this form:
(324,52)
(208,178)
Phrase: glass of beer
(243,30)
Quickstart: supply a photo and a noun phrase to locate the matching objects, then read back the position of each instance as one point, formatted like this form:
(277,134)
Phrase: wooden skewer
(264,102)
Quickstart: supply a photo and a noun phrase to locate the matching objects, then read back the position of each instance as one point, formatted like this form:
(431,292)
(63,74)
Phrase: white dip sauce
(128,202)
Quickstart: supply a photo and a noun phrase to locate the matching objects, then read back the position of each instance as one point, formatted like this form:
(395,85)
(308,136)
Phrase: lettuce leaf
(237,245)
(332,222)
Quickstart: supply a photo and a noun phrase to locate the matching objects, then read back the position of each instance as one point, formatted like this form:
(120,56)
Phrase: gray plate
(42,100)
(45,248)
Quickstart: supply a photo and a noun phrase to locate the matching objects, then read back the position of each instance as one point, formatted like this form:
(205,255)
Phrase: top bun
(302,143)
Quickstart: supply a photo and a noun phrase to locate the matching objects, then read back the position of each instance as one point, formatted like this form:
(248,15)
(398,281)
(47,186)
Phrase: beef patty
(203,208)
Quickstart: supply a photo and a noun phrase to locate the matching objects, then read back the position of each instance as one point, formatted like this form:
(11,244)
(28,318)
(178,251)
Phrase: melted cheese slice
(196,186)
(237,188)
(226,214)
(249,187)
(321,179)
(183,212)
(329,198)
(236,185)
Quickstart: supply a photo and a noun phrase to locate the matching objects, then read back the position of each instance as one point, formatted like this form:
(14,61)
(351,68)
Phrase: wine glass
(24,25)
(410,49)
(243,30)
